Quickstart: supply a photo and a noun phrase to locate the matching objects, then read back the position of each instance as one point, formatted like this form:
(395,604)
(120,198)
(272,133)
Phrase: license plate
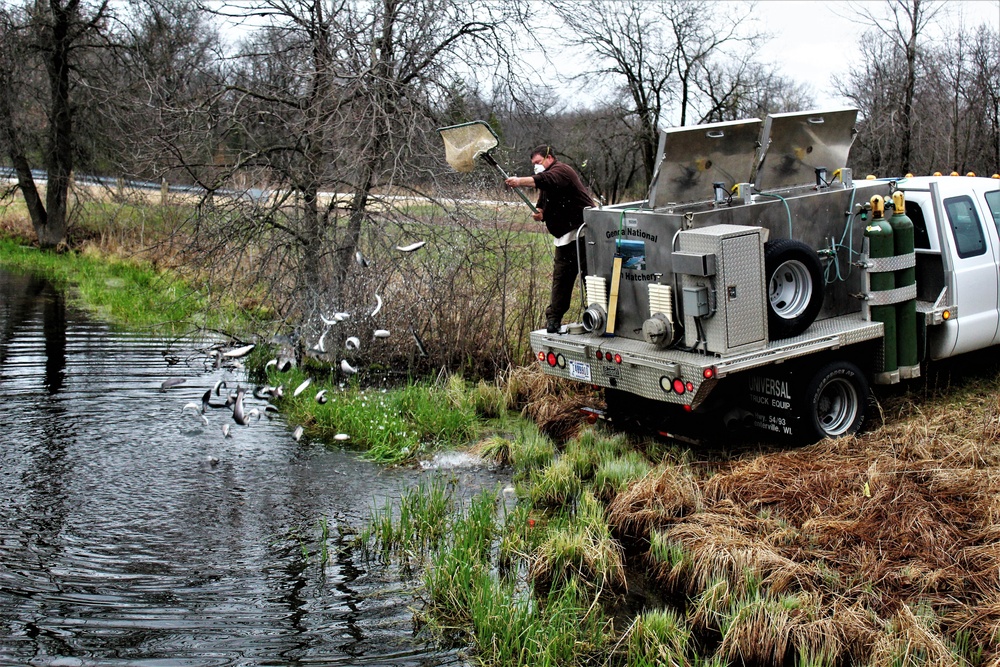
(579,370)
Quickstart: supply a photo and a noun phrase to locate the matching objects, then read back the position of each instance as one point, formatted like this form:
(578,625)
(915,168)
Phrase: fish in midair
(321,396)
(378,306)
(360,259)
(272,362)
(225,431)
(347,368)
(194,406)
(340,437)
(321,345)
(352,343)
(411,247)
(340,317)
(239,416)
(238,352)
(420,344)
(171,382)
(297,433)
(302,387)
(381,333)
(206,401)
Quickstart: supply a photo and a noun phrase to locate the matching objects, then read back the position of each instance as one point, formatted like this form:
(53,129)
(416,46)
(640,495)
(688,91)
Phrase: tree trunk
(51,230)
(911,86)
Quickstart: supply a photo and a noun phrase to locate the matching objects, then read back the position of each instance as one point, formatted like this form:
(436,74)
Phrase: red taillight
(678,386)
(607,356)
(708,373)
(687,408)
(600,355)
(618,358)
(689,386)
(551,359)
(541,356)
(591,418)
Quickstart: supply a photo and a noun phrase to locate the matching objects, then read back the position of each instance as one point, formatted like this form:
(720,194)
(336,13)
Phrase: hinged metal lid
(796,144)
(693,158)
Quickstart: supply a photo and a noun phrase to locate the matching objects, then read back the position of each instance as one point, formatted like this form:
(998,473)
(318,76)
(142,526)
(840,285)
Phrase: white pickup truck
(760,285)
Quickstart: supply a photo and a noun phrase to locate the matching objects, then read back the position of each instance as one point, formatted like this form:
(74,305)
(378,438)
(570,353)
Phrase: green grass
(658,637)
(123,293)
(413,525)
(390,425)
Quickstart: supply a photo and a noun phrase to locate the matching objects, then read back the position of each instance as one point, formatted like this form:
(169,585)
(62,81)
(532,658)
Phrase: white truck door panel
(975,280)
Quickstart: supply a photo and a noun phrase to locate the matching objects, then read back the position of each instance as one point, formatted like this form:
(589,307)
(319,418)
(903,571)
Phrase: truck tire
(794,287)
(835,402)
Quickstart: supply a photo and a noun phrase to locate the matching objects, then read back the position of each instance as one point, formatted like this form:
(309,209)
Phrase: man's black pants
(565,269)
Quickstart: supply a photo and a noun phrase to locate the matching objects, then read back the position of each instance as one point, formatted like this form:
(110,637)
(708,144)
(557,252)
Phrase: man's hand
(537,215)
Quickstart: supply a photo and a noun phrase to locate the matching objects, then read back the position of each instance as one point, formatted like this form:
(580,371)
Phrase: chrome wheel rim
(837,407)
(790,290)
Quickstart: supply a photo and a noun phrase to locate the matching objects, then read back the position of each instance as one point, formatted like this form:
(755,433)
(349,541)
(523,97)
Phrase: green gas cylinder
(906,311)
(880,245)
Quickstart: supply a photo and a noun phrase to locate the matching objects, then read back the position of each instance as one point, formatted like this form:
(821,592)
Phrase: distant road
(252,194)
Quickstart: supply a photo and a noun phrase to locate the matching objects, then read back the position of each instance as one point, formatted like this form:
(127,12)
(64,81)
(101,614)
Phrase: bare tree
(324,125)
(44,44)
(983,111)
(657,53)
(903,28)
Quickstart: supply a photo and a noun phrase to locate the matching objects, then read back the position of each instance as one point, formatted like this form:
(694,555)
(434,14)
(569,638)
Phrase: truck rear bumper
(675,375)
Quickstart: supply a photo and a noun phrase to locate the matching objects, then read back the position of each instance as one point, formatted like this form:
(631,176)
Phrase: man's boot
(553,326)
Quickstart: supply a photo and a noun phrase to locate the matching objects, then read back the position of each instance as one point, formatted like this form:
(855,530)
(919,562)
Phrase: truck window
(993,203)
(965,227)
(916,214)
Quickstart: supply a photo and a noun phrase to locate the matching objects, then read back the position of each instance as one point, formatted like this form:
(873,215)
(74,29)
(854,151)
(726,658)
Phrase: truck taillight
(551,358)
(678,386)
(618,358)
(541,355)
(607,356)
(689,386)
(600,355)
(708,373)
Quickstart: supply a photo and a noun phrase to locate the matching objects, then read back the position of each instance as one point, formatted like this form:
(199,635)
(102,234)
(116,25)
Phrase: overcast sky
(814,42)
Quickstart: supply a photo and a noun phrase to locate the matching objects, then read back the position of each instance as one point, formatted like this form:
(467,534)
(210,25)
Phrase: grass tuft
(658,637)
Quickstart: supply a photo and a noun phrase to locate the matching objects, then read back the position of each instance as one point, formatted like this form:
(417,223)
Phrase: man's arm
(520,182)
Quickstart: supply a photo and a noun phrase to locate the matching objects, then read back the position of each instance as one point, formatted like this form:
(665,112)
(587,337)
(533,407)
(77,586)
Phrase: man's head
(543,155)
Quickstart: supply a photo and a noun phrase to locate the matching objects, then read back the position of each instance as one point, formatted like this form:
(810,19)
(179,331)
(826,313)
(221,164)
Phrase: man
(561,200)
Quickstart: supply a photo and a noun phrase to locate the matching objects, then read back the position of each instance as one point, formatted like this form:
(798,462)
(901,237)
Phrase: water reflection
(123,542)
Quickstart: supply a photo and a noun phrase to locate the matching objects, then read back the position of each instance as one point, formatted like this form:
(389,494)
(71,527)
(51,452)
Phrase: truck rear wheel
(836,401)
(794,287)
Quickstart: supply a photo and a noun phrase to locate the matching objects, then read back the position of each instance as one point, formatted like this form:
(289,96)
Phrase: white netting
(464,143)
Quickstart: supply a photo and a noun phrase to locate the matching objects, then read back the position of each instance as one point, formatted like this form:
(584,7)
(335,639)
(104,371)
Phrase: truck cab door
(976,278)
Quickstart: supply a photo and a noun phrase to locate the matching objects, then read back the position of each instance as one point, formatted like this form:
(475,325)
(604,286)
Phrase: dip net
(464,143)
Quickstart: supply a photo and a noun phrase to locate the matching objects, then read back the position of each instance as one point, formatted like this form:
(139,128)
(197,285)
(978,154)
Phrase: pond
(132,533)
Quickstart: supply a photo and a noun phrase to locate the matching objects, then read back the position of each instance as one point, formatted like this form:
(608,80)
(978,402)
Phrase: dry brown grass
(894,537)
(552,403)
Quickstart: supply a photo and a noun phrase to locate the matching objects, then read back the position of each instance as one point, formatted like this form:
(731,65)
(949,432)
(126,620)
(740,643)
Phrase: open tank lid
(693,158)
(796,144)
